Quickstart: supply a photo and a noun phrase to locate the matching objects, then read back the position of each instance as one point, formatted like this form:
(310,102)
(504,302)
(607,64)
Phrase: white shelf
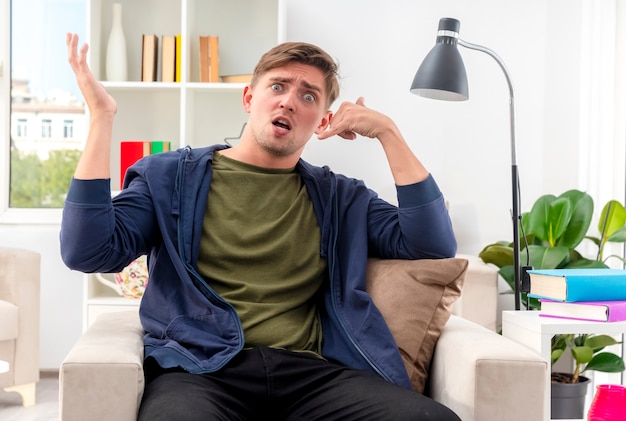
(535,332)
(187,112)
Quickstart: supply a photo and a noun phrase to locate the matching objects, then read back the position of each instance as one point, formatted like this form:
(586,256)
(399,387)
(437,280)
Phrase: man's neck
(259,158)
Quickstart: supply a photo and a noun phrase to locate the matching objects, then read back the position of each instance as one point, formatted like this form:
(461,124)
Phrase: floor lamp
(442,76)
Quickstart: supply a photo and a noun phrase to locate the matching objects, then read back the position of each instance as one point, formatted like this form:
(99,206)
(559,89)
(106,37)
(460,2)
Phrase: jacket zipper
(200,282)
(346,331)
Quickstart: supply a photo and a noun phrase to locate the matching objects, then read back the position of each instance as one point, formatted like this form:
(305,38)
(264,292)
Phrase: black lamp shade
(442,73)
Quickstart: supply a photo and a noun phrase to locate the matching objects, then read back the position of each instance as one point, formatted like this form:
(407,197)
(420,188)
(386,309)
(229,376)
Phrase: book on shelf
(601,311)
(168,58)
(132,151)
(158,146)
(179,58)
(209,58)
(591,284)
(149,57)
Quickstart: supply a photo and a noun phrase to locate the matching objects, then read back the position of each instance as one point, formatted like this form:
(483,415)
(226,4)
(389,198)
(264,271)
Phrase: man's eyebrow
(290,80)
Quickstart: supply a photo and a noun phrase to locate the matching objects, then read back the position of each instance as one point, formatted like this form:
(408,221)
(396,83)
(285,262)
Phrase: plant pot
(568,399)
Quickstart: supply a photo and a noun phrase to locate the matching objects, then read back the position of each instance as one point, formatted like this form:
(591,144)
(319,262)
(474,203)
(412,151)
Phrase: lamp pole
(515,212)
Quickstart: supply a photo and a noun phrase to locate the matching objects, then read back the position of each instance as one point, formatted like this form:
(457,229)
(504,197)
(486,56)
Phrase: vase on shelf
(116,60)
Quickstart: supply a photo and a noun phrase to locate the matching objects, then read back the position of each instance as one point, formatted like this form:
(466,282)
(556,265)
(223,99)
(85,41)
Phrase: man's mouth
(283,124)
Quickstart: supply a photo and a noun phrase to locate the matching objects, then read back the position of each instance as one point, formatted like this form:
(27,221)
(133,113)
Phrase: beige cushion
(415,297)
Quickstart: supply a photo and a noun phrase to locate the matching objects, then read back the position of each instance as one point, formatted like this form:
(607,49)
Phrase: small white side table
(534,332)
(4,366)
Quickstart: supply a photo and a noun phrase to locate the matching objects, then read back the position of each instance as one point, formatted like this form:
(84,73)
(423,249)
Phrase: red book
(602,311)
(130,152)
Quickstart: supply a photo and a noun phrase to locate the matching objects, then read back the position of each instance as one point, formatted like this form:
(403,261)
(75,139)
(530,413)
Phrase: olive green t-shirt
(260,250)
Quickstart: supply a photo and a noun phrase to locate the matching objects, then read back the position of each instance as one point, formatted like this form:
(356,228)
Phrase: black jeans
(271,384)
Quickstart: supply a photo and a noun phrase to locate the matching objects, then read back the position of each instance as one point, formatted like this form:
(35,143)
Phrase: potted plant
(568,390)
(551,233)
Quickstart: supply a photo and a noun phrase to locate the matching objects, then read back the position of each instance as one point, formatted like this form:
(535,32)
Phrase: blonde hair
(303,53)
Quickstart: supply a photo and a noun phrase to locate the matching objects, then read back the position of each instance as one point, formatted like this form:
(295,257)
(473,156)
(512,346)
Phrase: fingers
(76,58)
(344,123)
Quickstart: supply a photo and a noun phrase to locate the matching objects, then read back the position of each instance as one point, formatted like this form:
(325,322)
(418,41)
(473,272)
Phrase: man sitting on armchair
(256,306)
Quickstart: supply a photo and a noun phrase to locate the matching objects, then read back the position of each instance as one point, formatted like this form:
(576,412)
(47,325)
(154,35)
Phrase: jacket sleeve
(418,228)
(97,236)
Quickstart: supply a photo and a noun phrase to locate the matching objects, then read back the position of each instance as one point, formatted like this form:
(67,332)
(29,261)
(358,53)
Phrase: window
(21,128)
(47,113)
(68,129)
(46,128)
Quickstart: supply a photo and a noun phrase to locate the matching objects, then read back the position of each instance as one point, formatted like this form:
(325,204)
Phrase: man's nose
(288,101)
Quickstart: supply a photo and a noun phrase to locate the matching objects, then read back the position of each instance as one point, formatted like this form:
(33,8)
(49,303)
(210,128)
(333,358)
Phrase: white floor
(46,406)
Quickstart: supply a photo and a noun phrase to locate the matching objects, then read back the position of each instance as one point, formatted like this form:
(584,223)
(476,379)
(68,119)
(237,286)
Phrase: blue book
(593,284)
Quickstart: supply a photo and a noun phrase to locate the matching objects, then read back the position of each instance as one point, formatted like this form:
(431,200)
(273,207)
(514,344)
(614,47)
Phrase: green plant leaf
(497,254)
(606,362)
(597,342)
(585,264)
(578,225)
(549,217)
(582,354)
(555,355)
(618,236)
(506,272)
(612,218)
(542,257)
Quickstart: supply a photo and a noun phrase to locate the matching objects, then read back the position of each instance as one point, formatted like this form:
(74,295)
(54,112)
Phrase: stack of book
(170,48)
(133,150)
(594,294)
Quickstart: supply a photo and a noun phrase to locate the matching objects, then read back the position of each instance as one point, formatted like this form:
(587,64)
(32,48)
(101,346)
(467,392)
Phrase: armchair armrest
(102,376)
(483,376)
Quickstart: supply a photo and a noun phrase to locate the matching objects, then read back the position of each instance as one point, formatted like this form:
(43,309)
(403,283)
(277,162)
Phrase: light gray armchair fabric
(19,321)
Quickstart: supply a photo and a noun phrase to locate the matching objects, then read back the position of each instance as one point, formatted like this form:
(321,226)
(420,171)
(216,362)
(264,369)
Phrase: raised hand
(97,98)
(354,118)
(95,161)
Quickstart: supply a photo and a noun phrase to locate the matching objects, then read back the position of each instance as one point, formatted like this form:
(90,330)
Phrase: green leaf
(582,213)
(582,354)
(549,217)
(497,254)
(612,218)
(585,264)
(606,362)
(597,342)
(542,257)
(618,236)
(555,355)
(508,275)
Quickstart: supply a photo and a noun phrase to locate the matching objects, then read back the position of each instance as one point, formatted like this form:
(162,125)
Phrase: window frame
(10,215)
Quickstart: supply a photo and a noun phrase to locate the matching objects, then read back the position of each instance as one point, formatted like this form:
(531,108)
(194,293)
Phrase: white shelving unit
(534,332)
(186,112)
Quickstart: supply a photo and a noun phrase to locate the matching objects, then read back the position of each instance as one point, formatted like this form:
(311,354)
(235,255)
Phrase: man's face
(286,106)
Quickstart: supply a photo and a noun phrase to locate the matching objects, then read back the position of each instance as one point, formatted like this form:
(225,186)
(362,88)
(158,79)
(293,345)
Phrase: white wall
(465,145)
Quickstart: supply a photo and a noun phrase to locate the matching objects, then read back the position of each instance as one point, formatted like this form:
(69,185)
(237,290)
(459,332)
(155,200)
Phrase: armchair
(476,372)
(19,321)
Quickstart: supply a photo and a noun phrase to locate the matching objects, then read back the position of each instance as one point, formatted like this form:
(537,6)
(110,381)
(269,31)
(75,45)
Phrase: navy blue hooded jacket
(160,213)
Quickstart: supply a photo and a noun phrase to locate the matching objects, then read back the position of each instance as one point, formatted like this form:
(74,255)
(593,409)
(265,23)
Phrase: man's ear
(325,122)
(246,98)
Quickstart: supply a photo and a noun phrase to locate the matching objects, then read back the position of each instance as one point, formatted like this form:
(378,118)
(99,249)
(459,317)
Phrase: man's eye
(276,87)
(309,97)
